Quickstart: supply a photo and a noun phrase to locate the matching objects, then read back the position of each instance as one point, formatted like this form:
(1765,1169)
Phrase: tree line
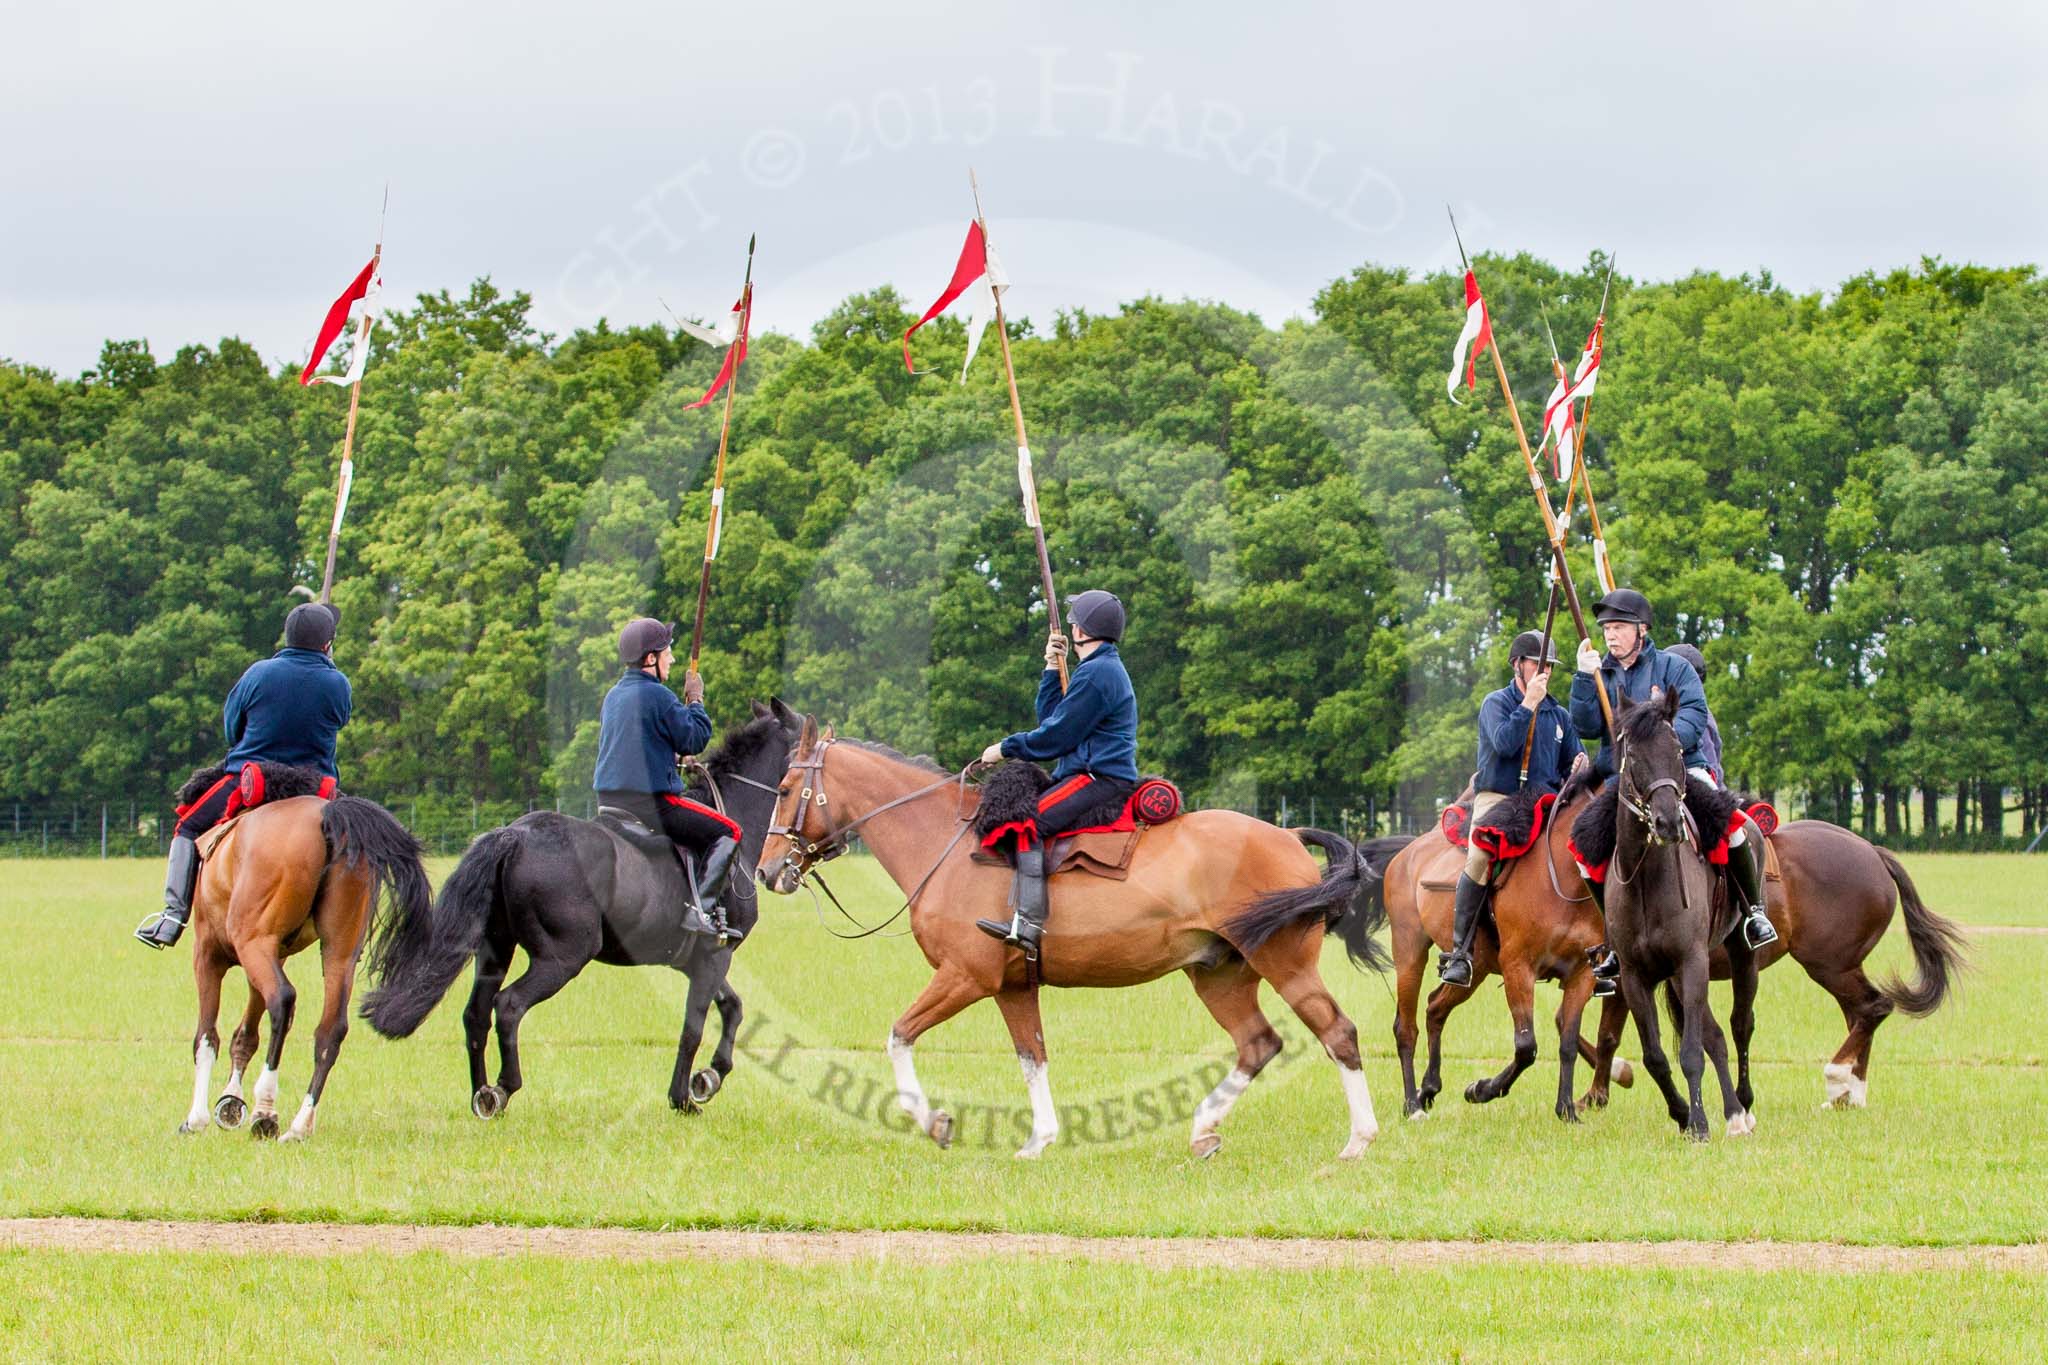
(1838,497)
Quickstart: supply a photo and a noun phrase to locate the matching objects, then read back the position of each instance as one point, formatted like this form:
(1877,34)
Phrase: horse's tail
(362,834)
(1347,899)
(1937,948)
(415,962)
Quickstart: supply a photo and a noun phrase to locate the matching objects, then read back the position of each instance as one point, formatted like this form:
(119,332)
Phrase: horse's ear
(761,711)
(827,736)
(792,723)
(806,736)
(1665,702)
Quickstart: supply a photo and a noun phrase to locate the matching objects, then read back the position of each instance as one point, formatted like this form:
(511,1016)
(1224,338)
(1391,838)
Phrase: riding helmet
(1097,612)
(1693,657)
(1529,645)
(311,625)
(1623,604)
(642,636)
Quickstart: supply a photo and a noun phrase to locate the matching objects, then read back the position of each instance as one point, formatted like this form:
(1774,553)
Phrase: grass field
(94,1048)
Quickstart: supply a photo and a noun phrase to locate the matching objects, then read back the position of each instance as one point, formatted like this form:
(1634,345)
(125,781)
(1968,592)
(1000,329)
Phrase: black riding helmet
(1097,612)
(642,636)
(1529,645)
(311,625)
(1623,604)
(1693,657)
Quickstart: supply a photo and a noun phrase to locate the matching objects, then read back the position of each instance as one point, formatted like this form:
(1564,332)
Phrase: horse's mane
(739,744)
(1640,722)
(922,762)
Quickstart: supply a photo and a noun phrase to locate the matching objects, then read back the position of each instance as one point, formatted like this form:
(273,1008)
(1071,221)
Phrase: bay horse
(1227,899)
(1543,922)
(572,892)
(1663,919)
(274,881)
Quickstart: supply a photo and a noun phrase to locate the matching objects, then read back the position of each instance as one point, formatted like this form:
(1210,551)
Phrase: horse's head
(801,833)
(1650,765)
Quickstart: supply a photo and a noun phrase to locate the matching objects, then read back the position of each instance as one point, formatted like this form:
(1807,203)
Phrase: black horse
(1664,915)
(572,892)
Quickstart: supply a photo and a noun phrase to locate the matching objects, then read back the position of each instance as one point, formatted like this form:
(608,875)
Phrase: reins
(811,852)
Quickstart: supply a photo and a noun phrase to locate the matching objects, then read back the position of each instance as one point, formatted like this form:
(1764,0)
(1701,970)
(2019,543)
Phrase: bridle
(807,853)
(1636,801)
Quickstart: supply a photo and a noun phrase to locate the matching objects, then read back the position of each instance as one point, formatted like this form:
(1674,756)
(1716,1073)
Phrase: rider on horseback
(642,730)
(286,709)
(1745,859)
(1632,668)
(1093,733)
(1505,731)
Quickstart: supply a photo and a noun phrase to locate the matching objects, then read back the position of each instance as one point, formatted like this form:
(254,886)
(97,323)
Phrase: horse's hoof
(1427,1099)
(229,1112)
(1568,1112)
(293,1135)
(942,1129)
(264,1128)
(1033,1149)
(1207,1145)
(1416,1111)
(488,1102)
(1476,1093)
(1355,1148)
(1622,1074)
(188,1128)
(705,1084)
(1741,1123)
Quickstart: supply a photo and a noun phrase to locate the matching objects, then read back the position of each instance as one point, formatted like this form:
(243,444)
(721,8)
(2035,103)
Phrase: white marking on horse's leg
(266,1092)
(1214,1108)
(1621,1073)
(1045,1119)
(1364,1127)
(1839,1077)
(1741,1123)
(202,1081)
(1859,1091)
(909,1093)
(234,1084)
(302,1123)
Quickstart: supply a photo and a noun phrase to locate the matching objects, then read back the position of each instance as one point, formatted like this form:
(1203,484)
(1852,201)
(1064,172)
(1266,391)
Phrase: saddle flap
(1440,872)
(1103,854)
(628,827)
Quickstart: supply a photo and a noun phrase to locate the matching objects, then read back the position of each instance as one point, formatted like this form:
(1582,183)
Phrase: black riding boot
(1455,966)
(1027,926)
(710,889)
(1606,969)
(1746,871)
(161,929)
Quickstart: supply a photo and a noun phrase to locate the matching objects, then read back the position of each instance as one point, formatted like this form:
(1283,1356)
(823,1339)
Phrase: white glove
(1589,657)
(993,753)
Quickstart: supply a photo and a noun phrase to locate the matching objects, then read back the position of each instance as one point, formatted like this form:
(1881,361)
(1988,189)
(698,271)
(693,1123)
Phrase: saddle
(1103,844)
(258,785)
(627,826)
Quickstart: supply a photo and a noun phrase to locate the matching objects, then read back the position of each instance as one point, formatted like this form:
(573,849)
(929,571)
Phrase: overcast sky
(183,172)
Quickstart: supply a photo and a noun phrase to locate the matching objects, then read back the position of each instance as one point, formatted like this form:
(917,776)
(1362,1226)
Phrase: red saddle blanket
(1511,829)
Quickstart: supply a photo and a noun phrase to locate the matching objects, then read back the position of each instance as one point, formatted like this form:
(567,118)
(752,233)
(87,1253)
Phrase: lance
(1601,565)
(348,438)
(1025,481)
(716,524)
(1550,523)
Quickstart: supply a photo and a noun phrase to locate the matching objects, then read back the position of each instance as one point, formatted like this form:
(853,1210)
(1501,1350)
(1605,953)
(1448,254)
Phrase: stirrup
(1758,931)
(1454,968)
(1016,931)
(150,931)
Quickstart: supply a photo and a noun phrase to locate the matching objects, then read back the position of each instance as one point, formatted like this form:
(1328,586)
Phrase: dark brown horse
(1663,918)
(1230,900)
(275,881)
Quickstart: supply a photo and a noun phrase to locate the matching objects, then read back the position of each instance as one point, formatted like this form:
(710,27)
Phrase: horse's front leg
(1571,1011)
(706,974)
(1642,1007)
(1692,989)
(949,991)
(1519,978)
(711,1080)
(207,971)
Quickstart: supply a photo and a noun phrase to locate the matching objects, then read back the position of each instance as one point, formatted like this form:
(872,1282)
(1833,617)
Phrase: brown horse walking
(280,878)
(1230,900)
(1543,922)
(1830,894)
